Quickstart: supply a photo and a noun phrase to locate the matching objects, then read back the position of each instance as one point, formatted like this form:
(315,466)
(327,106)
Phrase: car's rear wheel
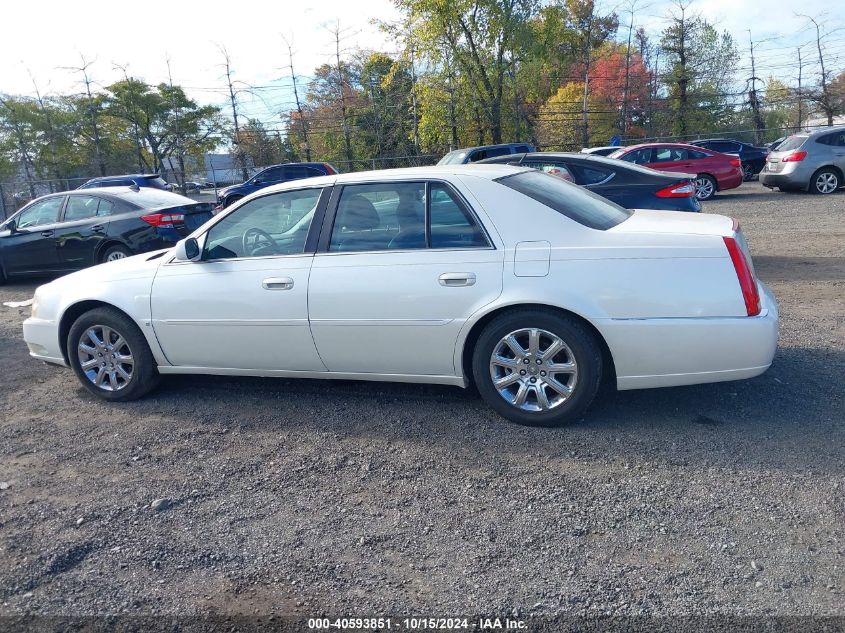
(110,356)
(825,181)
(747,171)
(116,252)
(231,200)
(537,367)
(705,187)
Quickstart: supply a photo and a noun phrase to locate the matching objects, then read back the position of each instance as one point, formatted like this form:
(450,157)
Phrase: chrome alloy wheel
(703,188)
(105,358)
(115,255)
(533,369)
(827,182)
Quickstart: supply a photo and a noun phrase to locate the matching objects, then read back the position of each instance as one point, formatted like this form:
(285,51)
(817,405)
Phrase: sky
(142,36)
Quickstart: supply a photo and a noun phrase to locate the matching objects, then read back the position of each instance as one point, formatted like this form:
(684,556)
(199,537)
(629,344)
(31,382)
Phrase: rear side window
(837,139)
(490,152)
(695,155)
(450,223)
(521,149)
(558,170)
(669,154)
(570,200)
(590,175)
(793,142)
(80,208)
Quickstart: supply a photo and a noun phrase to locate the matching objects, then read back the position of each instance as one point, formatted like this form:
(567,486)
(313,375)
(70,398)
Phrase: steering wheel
(255,239)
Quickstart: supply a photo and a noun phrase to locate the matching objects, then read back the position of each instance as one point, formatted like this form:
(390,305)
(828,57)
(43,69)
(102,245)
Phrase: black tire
(581,343)
(113,253)
(144,376)
(747,172)
(231,200)
(709,191)
(830,176)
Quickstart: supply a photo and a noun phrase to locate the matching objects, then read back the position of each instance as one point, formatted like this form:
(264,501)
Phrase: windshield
(793,142)
(573,201)
(453,158)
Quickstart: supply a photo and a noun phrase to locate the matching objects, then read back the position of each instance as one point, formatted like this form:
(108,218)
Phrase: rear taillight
(744,272)
(164,220)
(678,190)
(794,157)
(736,162)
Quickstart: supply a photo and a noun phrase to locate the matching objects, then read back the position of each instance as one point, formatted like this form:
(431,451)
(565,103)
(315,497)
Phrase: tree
(702,63)
(477,36)
(559,122)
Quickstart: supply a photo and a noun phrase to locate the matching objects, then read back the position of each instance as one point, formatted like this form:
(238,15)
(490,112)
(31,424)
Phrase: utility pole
(800,93)
(239,155)
(303,125)
(414,101)
(453,124)
(624,127)
(180,153)
(759,124)
(824,99)
(585,131)
(347,142)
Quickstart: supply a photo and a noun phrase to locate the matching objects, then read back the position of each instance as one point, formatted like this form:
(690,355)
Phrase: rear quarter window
(574,202)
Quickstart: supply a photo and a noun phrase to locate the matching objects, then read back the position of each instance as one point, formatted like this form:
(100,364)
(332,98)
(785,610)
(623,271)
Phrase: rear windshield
(793,142)
(573,201)
(157,181)
(453,158)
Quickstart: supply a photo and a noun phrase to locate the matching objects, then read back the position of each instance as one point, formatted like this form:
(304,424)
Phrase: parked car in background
(191,185)
(475,154)
(713,171)
(626,184)
(812,161)
(154,181)
(600,151)
(425,275)
(751,158)
(63,232)
(776,143)
(272,176)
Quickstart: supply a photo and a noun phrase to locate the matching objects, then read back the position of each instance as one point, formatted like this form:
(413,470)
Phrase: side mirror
(257,181)
(187,250)
(12,226)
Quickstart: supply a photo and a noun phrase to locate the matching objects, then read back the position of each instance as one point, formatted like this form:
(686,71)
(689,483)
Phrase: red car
(713,171)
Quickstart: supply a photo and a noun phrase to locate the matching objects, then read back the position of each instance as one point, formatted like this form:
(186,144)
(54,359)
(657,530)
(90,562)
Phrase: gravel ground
(306,498)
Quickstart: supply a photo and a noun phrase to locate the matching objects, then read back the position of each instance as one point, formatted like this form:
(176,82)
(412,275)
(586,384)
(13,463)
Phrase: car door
(838,147)
(398,271)
(32,247)
(669,158)
(244,304)
(83,228)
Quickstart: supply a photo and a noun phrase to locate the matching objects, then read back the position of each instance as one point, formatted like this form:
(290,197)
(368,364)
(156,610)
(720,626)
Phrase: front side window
(574,202)
(40,213)
(81,208)
(274,174)
(267,226)
(669,154)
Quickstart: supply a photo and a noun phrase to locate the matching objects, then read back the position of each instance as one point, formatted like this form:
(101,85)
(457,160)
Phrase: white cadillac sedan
(527,286)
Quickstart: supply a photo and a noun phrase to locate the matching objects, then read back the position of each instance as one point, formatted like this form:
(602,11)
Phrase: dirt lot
(307,498)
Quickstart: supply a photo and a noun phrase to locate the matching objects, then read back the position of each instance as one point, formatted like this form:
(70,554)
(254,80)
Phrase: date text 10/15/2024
(417,624)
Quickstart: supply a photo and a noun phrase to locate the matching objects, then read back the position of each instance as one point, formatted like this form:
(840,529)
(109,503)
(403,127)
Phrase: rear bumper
(670,352)
(788,181)
(42,339)
(732,181)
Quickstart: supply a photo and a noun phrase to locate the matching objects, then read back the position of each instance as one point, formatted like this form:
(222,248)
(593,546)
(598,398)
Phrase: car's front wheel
(537,367)
(825,181)
(747,172)
(110,356)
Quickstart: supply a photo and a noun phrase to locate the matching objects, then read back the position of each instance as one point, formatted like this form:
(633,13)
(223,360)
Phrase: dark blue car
(271,176)
(154,181)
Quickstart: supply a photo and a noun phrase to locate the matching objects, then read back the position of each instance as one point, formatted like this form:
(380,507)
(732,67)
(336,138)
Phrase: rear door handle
(46,233)
(98,228)
(457,279)
(277,283)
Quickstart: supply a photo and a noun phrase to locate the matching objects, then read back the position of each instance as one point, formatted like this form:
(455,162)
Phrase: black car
(62,232)
(753,158)
(626,184)
(483,152)
(154,181)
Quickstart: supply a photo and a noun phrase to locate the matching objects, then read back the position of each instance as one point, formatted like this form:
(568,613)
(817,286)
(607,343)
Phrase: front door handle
(277,283)
(98,228)
(457,279)
(46,233)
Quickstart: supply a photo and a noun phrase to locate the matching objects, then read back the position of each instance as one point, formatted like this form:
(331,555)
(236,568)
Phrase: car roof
(146,176)
(662,144)
(147,197)
(826,130)
(488,171)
